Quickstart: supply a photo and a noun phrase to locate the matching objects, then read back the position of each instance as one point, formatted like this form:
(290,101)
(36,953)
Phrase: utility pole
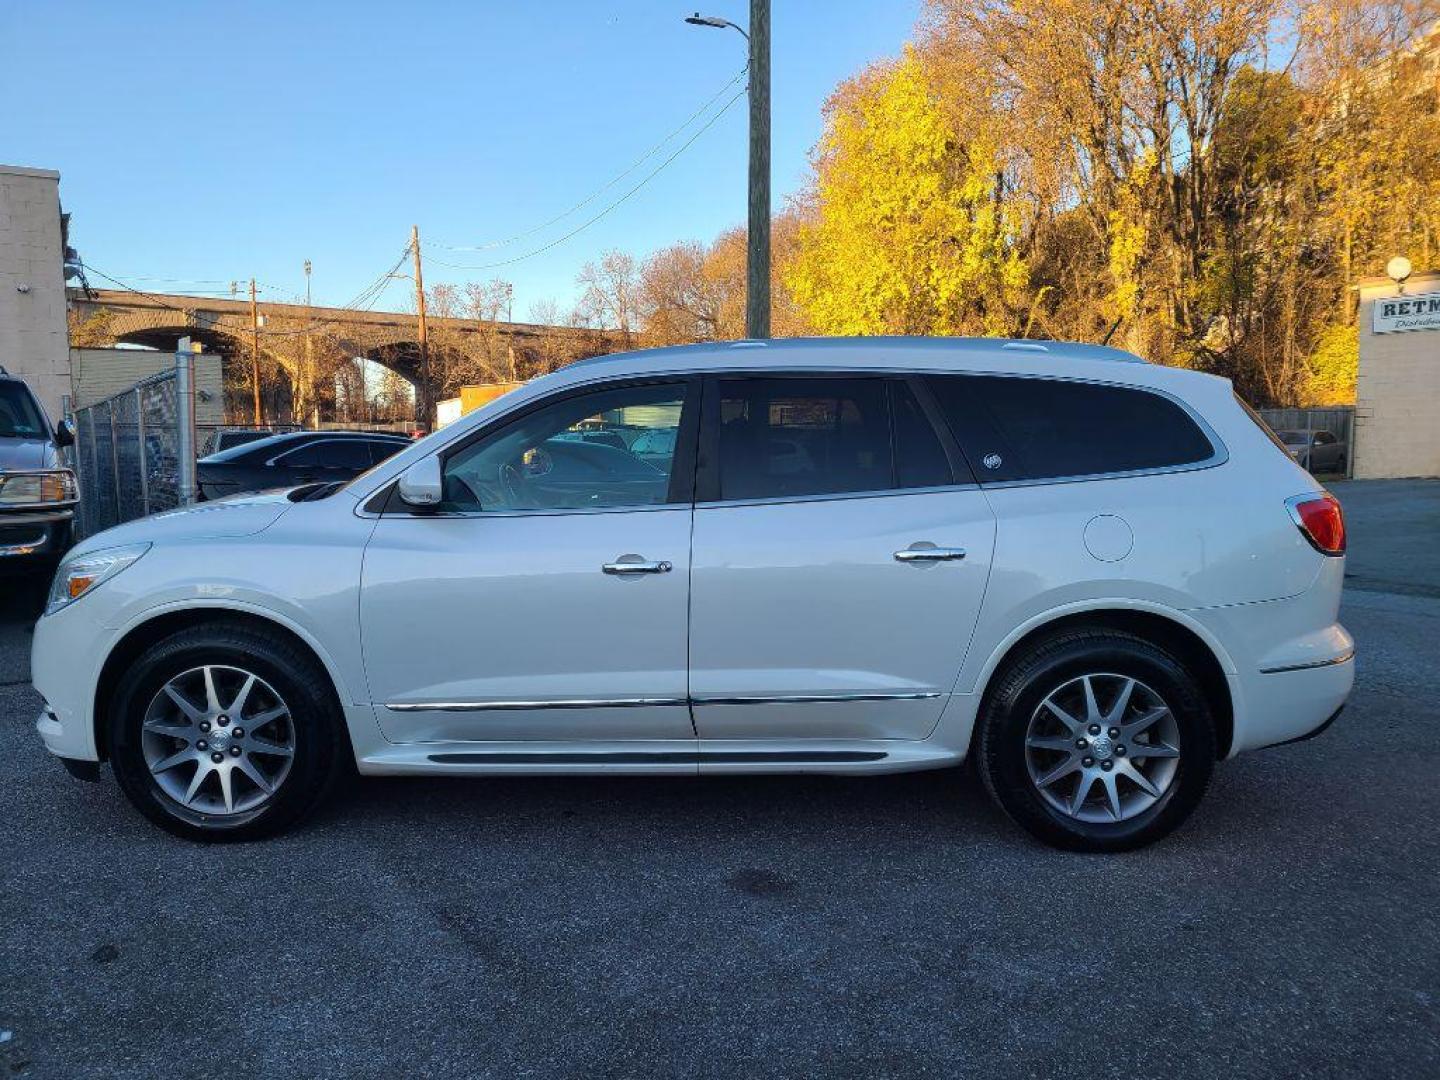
(310,354)
(423,408)
(757,260)
(255,352)
(757,236)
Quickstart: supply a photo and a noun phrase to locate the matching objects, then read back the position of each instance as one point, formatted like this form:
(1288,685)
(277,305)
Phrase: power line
(609,183)
(581,228)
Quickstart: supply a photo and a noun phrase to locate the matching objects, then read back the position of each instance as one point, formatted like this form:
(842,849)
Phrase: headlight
(79,576)
(32,489)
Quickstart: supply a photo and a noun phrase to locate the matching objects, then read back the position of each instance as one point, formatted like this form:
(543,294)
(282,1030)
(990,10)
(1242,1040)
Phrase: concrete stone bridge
(159,320)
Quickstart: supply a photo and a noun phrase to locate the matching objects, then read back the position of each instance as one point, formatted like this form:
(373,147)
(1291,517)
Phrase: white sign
(1419,312)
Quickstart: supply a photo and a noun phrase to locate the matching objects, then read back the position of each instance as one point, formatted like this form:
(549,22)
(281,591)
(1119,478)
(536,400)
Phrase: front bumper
(68,649)
(36,533)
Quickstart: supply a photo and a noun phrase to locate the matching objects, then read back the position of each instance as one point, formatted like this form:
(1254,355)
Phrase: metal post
(185,422)
(115,461)
(91,504)
(254,353)
(144,466)
(757,258)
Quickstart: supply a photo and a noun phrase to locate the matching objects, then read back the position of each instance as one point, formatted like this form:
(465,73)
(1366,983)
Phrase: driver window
(608,448)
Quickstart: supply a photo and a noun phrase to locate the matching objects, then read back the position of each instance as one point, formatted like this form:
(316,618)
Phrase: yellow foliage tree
(908,235)
(1333,366)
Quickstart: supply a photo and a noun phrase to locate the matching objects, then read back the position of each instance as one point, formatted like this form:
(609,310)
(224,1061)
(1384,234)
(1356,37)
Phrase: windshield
(19,418)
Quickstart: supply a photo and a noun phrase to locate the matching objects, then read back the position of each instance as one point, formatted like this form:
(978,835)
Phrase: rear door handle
(634,564)
(930,554)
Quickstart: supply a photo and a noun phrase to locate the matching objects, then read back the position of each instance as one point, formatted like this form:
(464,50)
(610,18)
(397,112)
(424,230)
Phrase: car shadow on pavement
(676,806)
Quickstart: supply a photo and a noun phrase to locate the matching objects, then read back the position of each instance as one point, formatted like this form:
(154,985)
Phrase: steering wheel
(513,483)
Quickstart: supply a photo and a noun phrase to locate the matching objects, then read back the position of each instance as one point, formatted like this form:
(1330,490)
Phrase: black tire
(321,746)
(1028,680)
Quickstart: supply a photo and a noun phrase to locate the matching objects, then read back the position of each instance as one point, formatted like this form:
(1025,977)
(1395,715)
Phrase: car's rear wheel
(225,732)
(1096,740)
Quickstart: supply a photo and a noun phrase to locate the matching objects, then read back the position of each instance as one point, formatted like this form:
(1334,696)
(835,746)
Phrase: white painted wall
(1397,394)
(33,338)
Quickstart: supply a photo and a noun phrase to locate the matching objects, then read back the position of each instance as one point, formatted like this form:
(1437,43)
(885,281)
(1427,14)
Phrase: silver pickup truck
(37,492)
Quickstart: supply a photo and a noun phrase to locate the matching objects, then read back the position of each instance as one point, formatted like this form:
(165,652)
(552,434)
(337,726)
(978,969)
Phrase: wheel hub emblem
(220,738)
(1102,747)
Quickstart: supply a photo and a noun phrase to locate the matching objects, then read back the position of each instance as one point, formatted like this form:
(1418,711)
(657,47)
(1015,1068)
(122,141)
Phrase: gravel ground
(739,927)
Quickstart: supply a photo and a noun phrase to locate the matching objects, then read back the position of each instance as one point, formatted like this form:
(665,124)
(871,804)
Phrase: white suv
(1094,576)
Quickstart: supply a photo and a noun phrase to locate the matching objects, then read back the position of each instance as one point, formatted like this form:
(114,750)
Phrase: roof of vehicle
(861,352)
(258,447)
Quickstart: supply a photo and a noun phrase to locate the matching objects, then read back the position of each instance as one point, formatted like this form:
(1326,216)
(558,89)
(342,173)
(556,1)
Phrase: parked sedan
(1319,451)
(292,459)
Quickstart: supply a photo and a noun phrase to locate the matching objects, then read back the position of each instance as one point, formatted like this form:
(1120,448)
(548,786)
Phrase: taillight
(1320,520)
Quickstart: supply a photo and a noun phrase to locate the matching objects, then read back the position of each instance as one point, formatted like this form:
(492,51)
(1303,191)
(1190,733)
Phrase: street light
(710,20)
(757,255)
(1398,270)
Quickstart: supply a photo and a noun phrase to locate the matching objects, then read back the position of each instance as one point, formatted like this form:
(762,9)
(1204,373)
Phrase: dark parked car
(1318,451)
(37,492)
(229,438)
(292,459)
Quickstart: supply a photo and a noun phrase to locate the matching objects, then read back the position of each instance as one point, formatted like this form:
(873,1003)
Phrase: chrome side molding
(808,699)
(631,703)
(498,706)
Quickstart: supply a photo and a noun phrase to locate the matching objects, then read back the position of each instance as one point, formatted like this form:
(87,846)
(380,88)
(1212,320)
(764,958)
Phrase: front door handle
(930,554)
(634,564)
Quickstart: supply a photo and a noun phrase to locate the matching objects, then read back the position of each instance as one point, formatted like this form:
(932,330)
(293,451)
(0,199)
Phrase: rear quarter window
(1025,428)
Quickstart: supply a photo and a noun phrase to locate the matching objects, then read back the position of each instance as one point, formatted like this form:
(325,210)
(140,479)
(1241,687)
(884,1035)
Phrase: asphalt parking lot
(757,927)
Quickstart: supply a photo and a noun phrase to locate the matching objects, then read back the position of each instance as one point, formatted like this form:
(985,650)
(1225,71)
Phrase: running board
(661,757)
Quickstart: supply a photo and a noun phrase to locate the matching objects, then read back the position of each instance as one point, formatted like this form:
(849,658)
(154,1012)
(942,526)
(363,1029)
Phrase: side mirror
(422,485)
(65,433)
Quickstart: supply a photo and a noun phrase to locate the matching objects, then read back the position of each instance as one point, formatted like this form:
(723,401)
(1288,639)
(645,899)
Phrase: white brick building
(1397,394)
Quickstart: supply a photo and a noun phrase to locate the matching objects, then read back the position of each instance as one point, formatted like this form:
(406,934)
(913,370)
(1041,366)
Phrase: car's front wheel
(225,732)
(1096,740)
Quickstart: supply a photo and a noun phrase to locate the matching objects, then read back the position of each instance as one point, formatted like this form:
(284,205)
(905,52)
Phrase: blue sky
(208,142)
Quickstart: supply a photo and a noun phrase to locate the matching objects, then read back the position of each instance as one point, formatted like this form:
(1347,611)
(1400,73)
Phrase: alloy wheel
(1102,748)
(218,740)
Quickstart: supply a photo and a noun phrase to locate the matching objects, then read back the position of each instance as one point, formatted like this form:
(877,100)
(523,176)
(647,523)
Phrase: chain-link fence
(127,454)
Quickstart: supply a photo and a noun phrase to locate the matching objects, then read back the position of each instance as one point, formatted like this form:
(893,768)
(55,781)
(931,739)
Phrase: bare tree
(610,299)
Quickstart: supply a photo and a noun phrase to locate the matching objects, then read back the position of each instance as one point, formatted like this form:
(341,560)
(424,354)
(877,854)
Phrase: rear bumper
(1318,731)
(1287,706)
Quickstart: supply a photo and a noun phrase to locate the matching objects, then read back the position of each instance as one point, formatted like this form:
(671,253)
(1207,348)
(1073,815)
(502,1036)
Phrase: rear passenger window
(784,438)
(920,460)
(1017,428)
(793,437)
